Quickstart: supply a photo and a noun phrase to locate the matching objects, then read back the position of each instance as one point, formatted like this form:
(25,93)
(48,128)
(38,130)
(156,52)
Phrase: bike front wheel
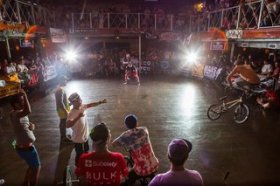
(214,112)
(241,113)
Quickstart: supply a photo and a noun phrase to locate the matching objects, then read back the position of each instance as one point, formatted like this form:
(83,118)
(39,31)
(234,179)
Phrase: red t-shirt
(272,95)
(102,170)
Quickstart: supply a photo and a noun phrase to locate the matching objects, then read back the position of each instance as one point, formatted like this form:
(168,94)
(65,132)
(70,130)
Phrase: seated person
(255,66)
(23,71)
(9,72)
(101,167)
(21,67)
(137,141)
(266,70)
(178,153)
(131,72)
(247,76)
(276,71)
(10,69)
(270,100)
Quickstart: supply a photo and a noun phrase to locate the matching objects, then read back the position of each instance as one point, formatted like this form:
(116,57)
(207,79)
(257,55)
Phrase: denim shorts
(30,155)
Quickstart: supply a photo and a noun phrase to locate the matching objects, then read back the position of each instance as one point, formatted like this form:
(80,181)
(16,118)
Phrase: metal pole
(238,17)
(90,19)
(209,18)
(33,15)
(260,14)
(8,47)
(222,18)
(171,22)
(138,20)
(45,16)
(232,51)
(73,26)
(18,12)
(108,17)
(140,51)
(54,20)
(126,21)
(155,21)
(190,26)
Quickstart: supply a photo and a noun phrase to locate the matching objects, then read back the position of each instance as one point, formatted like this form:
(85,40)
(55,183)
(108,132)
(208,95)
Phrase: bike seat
(222,98)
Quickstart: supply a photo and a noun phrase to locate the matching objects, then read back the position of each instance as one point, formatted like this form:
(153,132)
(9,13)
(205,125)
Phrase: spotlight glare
(192,57)
(71,55)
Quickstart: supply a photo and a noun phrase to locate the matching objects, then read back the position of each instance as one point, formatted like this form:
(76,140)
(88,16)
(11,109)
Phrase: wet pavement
(170,108)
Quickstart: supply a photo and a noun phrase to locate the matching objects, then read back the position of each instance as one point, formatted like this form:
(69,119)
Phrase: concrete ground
(170,108)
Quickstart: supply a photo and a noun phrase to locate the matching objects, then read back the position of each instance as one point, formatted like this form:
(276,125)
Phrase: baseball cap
(73,97)
(130,121)
(99,134)
(179,149)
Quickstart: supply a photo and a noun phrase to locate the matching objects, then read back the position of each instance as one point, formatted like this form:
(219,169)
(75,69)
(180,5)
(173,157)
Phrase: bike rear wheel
(241,113)
(214,112)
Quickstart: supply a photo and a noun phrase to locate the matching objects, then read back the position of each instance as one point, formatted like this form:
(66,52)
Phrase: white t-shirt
(267,68)
(80,128)
(22,68)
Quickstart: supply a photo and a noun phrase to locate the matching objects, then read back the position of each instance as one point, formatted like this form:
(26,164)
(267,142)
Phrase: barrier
(49,73)
(11,88)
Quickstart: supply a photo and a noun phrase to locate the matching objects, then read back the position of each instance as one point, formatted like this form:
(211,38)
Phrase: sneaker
(69,137)
(2,181)
(138,84)
(125,83)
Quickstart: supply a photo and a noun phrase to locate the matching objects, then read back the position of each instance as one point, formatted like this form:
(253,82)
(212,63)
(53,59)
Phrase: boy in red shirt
(270,100)
(101,167)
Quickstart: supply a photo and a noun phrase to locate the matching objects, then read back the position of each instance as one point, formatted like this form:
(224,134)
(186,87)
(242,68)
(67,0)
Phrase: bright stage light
(71,55)
(192,57)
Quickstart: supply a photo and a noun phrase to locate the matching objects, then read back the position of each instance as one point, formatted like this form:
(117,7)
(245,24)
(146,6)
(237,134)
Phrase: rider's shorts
(30,155)
(132,74)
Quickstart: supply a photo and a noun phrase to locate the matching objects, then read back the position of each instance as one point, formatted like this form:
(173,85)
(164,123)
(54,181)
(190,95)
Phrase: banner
(58,35)
(217,45)
(234,34)
(19,27)
(164,65)
(49,73)
(198,70)
(212,72)
(146,66)
(26,43)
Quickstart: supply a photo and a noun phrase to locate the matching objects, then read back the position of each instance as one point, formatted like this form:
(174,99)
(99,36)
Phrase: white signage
(58,35)
(234,34)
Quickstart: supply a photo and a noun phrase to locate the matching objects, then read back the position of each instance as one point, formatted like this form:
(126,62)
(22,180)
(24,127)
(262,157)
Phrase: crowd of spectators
(212,16)
(31,72)
(149,16)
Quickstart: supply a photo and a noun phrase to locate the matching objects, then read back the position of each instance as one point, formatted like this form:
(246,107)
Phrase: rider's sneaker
(138,84)
(125,83)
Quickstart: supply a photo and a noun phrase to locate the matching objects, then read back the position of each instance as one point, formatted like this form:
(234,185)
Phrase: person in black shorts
(131,72)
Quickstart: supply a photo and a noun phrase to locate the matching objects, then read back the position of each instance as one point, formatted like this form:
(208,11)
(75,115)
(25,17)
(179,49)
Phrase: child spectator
(101,167)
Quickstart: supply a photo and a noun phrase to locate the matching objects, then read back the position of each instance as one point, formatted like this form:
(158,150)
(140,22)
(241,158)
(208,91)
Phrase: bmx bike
(241,110)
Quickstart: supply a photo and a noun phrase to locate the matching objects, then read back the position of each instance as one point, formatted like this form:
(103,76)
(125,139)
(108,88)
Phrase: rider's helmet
(130,121)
